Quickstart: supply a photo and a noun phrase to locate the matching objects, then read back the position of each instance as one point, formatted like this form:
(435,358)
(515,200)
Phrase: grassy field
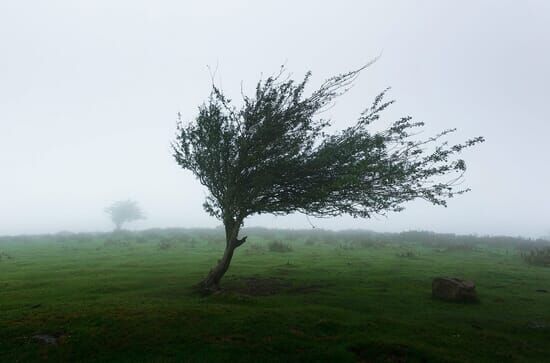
(128,297)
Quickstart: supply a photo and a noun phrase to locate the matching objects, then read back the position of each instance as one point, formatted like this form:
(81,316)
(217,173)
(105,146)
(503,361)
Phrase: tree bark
(212,281)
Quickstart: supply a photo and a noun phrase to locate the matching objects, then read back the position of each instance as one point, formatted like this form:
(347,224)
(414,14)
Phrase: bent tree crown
(272,155)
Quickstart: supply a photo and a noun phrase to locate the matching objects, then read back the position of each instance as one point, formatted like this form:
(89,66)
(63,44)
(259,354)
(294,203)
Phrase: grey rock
(454,289)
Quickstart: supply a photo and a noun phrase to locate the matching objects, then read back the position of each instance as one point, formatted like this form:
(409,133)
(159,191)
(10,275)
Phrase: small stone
(45,338)
(51,339)
(536,324)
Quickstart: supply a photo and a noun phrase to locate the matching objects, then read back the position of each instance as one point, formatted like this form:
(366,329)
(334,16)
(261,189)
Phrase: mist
(90,91)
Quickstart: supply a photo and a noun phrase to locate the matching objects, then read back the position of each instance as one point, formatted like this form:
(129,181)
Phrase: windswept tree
(273,155)
(124,211)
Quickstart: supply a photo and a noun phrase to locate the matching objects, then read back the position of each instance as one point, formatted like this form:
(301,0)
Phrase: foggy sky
(89,92)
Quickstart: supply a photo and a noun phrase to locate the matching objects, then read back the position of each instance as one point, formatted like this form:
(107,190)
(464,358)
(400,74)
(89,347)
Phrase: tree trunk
(212,281)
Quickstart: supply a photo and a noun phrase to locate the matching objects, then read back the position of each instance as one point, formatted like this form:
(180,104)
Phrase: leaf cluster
(273,155)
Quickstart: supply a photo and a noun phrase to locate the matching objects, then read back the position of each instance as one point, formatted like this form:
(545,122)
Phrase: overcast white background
(89,92)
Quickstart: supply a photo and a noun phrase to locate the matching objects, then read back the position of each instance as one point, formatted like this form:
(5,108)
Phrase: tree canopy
(273,155)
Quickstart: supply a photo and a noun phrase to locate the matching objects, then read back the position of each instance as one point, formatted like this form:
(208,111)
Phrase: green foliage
(253,248)
(273,155)
(165,245)
(278,246)
(116,242)
(406,254)
(537,256)
(4,256)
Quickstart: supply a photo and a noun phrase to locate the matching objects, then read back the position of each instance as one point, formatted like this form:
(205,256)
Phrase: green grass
(334,302)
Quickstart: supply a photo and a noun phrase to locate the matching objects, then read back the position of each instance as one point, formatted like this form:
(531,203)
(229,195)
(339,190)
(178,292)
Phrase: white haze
(89,92)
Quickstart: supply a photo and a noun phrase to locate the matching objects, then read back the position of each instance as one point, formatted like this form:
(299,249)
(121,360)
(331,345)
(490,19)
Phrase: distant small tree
(273,155)
(124,211)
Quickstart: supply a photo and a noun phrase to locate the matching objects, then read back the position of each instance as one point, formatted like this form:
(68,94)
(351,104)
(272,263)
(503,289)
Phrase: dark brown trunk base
(211,283)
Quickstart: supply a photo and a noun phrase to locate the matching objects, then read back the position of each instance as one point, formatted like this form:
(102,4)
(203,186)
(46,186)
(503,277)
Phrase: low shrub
(141,239)
(254,248)
(191,243)
(165,244)
(5,256)
(366,243)
(453,247)
(116,243)
(463,247)
(346,246)
(310,242)
(537,256)
(278,246)
(406,254)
